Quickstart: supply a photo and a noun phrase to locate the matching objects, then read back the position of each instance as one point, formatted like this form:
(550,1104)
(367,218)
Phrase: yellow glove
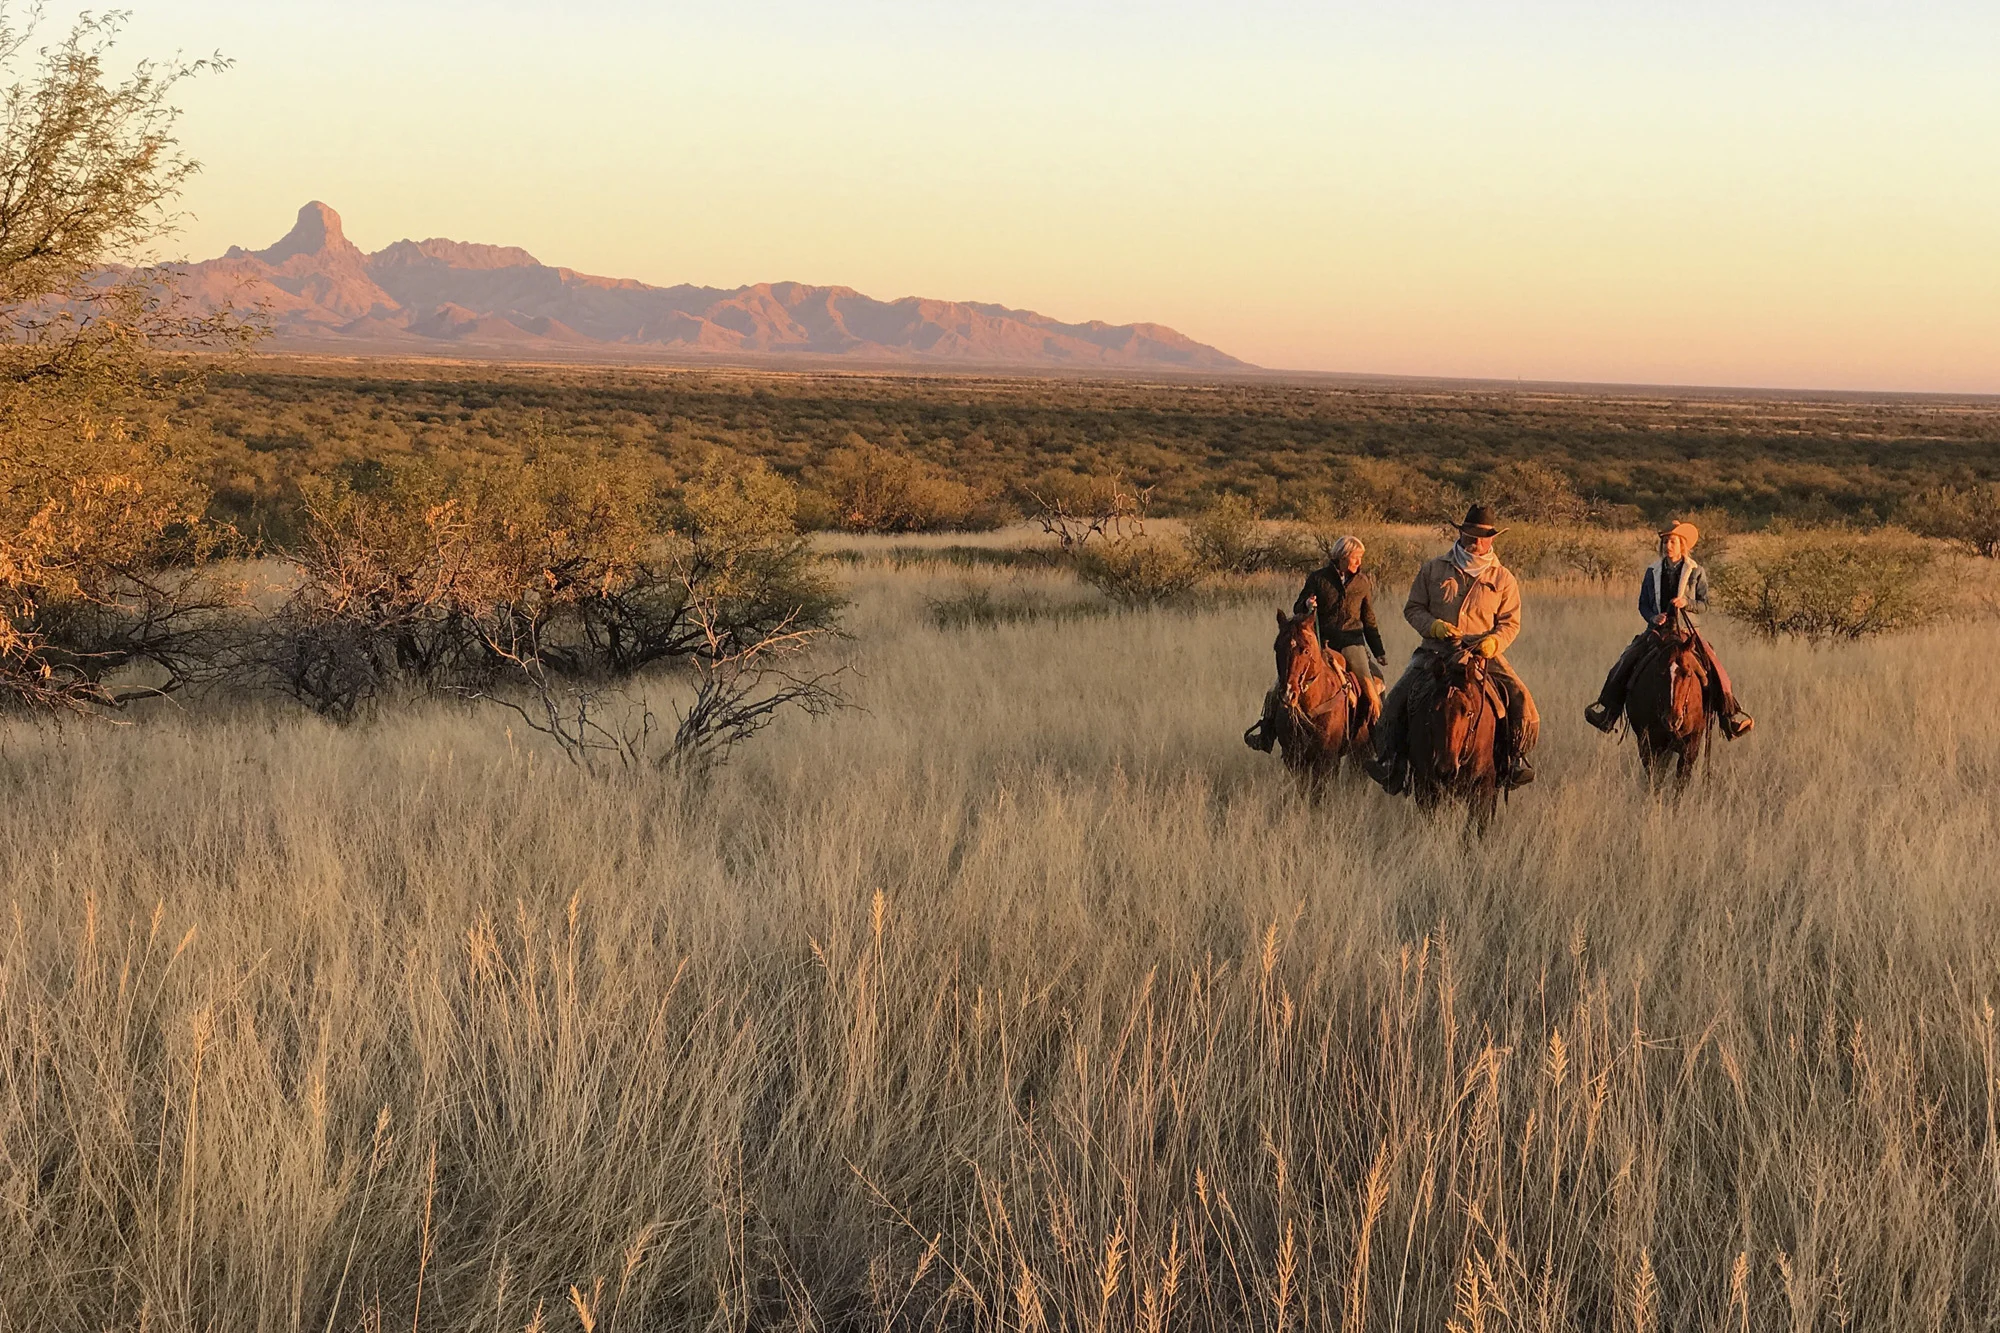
(1489,648)
(1441,629)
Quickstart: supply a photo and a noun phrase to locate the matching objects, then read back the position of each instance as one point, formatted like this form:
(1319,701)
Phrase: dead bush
(1075,508)
(1291,548)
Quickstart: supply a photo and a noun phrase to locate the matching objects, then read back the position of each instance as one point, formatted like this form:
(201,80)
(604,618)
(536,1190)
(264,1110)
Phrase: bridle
(1678,641)
(1301,683)
(1475,684)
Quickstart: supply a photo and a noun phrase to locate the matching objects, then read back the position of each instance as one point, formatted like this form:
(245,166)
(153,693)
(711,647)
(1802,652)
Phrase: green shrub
(1535,551)
(1227,539)
(1526,548)
(1830,585)
(1532,491)
(1594,555)
(1360,489)
(1292,549)
(1224,540)
(1139,571)
(871,489)
(1392,555)
(1966,516)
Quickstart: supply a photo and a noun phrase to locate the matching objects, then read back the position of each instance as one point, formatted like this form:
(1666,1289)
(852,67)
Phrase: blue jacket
(1693,586)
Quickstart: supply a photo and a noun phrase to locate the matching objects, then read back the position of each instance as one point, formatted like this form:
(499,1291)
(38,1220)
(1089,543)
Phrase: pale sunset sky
(1791,194)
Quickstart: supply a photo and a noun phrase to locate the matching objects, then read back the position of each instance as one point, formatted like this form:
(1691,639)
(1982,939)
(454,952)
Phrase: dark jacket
(1346,608)
(1691,582)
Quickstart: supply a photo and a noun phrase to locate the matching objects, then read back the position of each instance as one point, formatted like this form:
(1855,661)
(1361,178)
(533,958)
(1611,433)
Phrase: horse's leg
(1298,744)
(1332,743)
(1652,760)
(1485,803)
(1689,757)
(1697,747)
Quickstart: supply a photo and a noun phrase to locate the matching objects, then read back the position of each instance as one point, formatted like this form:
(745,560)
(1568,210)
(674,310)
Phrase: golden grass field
(1023,996)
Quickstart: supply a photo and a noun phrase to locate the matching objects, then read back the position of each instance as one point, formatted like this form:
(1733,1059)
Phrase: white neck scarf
(1472,566)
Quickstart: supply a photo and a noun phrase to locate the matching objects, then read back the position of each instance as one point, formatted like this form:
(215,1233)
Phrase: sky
(1783,194)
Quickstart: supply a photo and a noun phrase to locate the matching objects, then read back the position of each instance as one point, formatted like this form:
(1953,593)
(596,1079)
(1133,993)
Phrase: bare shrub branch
(1075,509)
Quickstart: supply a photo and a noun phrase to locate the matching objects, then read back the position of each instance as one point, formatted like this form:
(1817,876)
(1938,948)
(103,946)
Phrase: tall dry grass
(1026,998)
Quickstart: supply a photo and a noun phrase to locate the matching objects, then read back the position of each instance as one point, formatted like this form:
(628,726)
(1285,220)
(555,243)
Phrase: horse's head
(1465,705)
(1298,650)
(1687,676)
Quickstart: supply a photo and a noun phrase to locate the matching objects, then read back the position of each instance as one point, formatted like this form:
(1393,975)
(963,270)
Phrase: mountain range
(318,290)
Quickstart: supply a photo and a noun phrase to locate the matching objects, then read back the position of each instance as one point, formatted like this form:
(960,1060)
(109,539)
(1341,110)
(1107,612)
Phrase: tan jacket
(1440,593)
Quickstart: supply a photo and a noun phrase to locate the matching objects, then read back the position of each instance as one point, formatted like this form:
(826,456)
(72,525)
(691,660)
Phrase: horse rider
(1345,620)
(1465,596)
(1674,583)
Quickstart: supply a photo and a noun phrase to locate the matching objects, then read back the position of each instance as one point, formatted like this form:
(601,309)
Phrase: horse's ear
(1281,617)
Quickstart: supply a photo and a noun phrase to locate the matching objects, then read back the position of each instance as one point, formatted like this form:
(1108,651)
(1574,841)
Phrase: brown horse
(1668,705)
(1323,711)
(1455,718)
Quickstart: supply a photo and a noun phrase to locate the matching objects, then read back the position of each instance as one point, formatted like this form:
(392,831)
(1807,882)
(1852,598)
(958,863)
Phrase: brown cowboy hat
(1479,522)
(1686,531)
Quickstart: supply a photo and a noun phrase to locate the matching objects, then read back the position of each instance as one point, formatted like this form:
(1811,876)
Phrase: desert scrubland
(1406,450)
(1020,996)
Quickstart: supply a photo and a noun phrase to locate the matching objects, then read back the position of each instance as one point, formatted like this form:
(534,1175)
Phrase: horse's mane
(1673,643)
(1432,685)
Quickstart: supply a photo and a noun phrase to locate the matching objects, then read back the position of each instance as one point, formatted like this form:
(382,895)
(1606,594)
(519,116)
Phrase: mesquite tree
(104,589)
(545,588)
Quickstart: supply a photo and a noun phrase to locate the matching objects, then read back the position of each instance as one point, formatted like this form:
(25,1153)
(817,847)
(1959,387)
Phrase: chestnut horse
(1323,711)
(1668,705)
(1455,722)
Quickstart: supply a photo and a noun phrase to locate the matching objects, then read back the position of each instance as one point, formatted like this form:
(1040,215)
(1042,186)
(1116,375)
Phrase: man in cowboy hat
(1465,596)
(1673,584)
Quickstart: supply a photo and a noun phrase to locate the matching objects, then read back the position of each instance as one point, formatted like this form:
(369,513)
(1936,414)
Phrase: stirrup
(1601,717)
(1735,726)
(1257,737)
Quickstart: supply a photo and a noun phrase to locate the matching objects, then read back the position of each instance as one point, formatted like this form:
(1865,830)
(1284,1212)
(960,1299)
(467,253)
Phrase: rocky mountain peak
(317,232)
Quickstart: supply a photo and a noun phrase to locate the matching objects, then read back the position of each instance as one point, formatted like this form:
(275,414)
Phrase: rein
(1462,756)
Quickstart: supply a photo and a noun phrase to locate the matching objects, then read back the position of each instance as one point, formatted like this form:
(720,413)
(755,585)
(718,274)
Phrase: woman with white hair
(1673,585)
(1346,623)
